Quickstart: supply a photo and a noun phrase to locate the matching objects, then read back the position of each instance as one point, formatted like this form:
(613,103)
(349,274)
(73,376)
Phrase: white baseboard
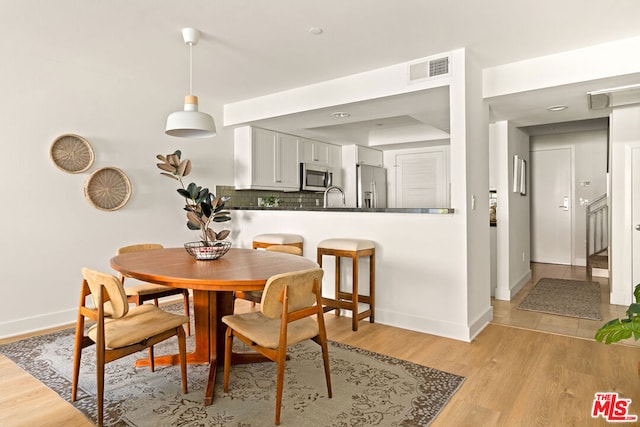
(431,326)
(480,323)
(33,324)
(508,294)
(426,325)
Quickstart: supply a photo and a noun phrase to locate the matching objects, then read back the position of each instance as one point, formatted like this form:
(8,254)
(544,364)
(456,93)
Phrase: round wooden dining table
(213,283)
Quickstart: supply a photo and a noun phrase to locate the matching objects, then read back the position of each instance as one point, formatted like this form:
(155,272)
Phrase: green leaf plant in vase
(621,329)
(203,208)
(272,202)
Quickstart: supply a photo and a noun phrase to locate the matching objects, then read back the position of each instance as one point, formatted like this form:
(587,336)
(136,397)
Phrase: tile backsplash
(248,198)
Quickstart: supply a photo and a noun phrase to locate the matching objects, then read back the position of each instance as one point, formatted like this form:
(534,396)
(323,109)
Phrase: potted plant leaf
(272,202)
(621,329)
(203,208)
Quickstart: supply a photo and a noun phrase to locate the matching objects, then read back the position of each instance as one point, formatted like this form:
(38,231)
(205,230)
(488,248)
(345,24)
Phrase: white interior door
(421,180)
(635,214)
(551,206)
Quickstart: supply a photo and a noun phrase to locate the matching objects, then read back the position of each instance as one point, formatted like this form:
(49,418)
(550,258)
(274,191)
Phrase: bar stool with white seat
(255,296)
(270,239)
(277,242)
(354,249)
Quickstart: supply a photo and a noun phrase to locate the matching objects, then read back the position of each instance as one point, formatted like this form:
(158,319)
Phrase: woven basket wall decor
(71,153)
(107,189)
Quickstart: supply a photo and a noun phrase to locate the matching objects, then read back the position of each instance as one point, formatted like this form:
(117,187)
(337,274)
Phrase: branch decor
(203,207)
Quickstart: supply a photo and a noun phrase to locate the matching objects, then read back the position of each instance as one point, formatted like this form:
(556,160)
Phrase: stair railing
(597,228)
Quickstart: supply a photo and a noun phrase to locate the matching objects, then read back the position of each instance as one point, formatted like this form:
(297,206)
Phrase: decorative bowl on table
(207,250)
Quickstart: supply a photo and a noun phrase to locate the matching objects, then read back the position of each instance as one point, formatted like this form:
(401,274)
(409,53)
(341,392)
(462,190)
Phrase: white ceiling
(251,47)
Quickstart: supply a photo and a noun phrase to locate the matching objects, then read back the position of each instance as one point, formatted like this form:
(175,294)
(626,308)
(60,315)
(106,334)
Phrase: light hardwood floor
(516,374)
(25,401)
(506,312)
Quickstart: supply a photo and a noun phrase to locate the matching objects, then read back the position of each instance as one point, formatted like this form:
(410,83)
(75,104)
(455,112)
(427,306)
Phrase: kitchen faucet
(326,195)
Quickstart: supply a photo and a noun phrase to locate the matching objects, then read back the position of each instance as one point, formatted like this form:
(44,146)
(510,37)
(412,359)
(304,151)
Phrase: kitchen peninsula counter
(416,254)
(437,211)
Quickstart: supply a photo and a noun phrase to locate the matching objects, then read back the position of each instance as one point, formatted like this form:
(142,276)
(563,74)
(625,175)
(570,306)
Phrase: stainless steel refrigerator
(371,186)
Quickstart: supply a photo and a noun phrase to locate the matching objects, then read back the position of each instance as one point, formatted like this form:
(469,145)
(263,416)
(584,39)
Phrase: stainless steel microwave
(315,177)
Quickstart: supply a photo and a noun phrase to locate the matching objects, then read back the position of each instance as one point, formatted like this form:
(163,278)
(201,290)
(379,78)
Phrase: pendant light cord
(190,68)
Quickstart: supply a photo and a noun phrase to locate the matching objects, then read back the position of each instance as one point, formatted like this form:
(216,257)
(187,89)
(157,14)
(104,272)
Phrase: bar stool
(272,242)
(354,249)
(271,239)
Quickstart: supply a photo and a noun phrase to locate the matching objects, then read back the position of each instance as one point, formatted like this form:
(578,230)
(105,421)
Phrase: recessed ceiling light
(340,114)
(557,107)
(315,31)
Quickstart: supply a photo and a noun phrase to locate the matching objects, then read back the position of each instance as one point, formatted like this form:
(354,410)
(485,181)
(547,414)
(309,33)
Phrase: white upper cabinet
(265,160)
(313,151)
(287,156)
(262,159)
(368,156)
(321,153)
(269,160)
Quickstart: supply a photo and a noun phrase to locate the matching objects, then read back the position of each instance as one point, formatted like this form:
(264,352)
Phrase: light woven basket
(107,189)
(71,153)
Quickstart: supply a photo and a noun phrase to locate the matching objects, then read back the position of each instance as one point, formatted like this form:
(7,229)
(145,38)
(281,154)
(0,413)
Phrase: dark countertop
(335,209)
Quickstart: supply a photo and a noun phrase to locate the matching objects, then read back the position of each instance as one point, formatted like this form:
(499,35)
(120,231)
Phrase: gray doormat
(572,298)
(368,388)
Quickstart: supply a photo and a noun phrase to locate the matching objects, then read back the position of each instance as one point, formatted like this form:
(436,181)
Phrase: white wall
(590,155)
(49,231)
(420,277)
(512,213)
(46,207)
(467,298)
(368,85)
(624,132)
(596,62)
(476,155)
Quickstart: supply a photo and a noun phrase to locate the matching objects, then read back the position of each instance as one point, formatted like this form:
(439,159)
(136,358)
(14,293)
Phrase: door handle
(565,204)
(637,227)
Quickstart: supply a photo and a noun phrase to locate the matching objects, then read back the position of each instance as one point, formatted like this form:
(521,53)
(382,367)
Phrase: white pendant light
(190,123)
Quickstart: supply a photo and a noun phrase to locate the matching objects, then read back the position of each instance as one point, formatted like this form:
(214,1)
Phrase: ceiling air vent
(438,67)
(428,68)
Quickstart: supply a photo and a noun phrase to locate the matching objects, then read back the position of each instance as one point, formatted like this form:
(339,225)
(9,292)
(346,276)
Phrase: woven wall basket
(107,189)
(71,153)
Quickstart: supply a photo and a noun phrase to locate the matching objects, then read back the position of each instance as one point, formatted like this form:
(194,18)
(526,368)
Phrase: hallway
(507,313)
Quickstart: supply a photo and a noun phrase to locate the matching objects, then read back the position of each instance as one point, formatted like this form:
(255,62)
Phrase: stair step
(599,261)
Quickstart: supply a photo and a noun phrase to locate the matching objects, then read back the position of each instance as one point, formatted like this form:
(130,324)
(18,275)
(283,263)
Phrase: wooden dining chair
(290,305)
(138,294)
(119,331)
(255,296)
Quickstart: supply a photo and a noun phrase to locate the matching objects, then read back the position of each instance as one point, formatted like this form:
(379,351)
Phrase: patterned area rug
(369,389)
(573,298)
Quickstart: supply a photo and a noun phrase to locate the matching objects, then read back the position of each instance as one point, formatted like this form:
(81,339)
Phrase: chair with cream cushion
(290,305)
(256,296)
(138,294)
(119,331)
